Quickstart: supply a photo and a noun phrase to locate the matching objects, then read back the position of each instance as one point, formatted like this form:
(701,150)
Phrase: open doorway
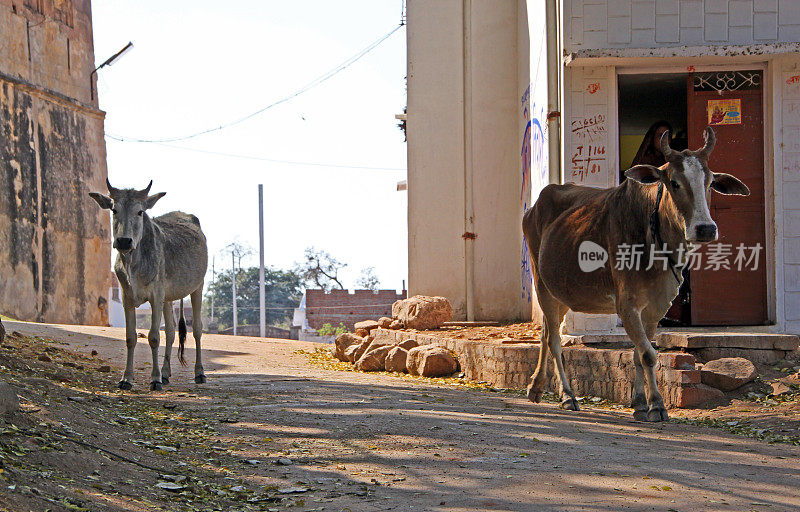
(645,100)
(647,104)
(731,102)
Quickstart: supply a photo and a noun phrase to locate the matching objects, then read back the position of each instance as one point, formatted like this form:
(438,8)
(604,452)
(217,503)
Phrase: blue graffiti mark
(534,178)
(537,154)
(526,165)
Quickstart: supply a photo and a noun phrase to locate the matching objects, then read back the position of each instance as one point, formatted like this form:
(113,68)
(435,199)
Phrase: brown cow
(569,222)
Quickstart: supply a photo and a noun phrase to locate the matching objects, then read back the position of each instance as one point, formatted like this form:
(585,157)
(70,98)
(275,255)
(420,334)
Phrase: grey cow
(159,260)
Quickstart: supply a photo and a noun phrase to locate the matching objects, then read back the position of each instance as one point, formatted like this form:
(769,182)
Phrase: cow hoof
(124,384)
(164,380)
(658,413)
(155,386)
(534,395)
(640,415)
(570,404)
(200,379)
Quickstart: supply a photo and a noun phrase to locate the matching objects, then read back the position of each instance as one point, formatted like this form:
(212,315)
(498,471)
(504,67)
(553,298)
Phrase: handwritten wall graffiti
(587,162)
(589,128)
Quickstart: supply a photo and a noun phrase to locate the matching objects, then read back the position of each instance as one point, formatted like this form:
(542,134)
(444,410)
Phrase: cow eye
(140,213)
(674,184)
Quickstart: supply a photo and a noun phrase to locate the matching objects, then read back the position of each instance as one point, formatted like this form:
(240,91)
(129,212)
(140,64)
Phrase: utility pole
(262,314)
(233,287)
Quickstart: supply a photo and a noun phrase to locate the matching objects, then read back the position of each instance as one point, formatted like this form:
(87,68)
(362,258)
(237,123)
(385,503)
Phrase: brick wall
(606,373)
(342,306)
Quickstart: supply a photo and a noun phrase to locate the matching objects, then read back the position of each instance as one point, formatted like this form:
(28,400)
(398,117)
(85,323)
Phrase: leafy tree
(283,290)
(329,330)
(320,270)
(368,280)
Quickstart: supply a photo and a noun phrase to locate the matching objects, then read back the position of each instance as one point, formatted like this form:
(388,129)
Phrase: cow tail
(181,337)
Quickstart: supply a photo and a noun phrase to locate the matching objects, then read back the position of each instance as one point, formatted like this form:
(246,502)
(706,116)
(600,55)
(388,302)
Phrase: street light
(109,62)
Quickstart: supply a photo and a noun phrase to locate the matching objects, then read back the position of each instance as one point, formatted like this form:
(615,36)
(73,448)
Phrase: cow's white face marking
(700,224)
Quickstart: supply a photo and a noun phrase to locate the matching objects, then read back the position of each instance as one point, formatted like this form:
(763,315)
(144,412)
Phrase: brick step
(763,348)
(759,341)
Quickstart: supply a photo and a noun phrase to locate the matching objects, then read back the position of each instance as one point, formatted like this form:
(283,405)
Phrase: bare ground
(525,332)
(278,426)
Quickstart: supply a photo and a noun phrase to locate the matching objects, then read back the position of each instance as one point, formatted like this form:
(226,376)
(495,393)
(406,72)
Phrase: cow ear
(151,200)
(644,174)
(727,184)
(105,202)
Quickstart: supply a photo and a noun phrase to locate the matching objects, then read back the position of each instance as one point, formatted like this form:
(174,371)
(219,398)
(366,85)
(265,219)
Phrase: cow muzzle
(705,232)
(123,245)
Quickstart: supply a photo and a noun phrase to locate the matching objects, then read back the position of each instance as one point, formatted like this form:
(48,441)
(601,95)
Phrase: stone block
(728,373)
(672,377)
(676,360)
(756,341)
(695,395)
(756,356)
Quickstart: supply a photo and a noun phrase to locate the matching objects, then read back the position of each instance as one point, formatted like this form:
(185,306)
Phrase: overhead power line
(310,85)
(275,160)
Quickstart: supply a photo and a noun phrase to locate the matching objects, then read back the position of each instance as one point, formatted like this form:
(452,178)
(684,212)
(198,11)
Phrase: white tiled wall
(789,176)
(656,23)
(590,153)
(590,156)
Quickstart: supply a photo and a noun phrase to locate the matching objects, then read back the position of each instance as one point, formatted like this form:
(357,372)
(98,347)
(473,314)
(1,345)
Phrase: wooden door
(736,295)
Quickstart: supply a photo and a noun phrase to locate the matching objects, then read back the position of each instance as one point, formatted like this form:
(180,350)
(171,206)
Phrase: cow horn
(111,189)
(669,153)
(711,141)
(146,192)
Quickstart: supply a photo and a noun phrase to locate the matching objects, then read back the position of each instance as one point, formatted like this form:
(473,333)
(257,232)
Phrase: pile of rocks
(369,354)
(419,312)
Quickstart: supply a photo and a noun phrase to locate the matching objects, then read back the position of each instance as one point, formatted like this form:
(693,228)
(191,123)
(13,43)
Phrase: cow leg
(130,342)
(639,395)
(169,331)
(539,377)
(568,400)
(645,356)
(154,337)
(197,332)
(554,312)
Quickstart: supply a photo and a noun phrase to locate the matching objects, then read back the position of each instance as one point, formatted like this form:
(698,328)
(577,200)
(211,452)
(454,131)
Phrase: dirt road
(330,440)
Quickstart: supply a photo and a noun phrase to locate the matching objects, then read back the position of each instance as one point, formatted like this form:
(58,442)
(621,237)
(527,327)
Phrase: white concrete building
(478,137)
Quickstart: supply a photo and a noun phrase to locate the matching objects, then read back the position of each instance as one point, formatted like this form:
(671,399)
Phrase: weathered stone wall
(54,249)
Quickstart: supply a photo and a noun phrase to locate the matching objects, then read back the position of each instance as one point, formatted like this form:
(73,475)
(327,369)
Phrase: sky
(199,64)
